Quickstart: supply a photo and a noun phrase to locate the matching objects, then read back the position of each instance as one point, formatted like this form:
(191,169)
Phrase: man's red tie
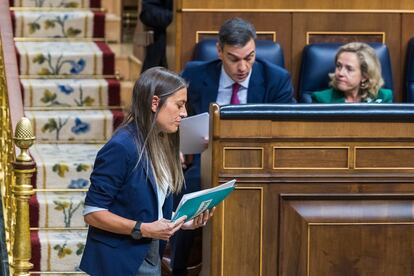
(234,97)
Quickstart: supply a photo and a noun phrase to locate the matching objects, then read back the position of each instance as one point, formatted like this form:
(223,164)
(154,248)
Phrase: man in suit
(259,81)
(235,78)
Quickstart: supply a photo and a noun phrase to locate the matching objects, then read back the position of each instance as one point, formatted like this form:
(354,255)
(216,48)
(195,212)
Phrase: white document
(193,131)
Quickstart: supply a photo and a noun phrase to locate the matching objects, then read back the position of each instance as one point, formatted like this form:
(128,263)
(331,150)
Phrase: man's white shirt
(225,88)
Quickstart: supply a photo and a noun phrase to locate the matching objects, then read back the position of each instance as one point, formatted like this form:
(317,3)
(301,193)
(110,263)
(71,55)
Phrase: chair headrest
(267,50)
(318,60)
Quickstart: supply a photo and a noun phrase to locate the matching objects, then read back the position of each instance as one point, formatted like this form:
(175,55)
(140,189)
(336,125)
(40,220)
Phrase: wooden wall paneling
(344,37)
(243,233)
(327,129)
(291,226)
(407,23)
(246,128)
(193,22)
(301,157)
(210,177)
(303,210)
(264,35)
(236,234)
(397,158)
(270,230)
(297,4)
(374,249)
(331,157)
(389,23)
(293,235)
(243,158)
(347,235)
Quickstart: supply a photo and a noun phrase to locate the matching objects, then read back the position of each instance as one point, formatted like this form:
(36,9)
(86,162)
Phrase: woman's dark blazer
(128,190)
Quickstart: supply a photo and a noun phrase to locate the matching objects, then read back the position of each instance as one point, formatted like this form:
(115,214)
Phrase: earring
(363,84)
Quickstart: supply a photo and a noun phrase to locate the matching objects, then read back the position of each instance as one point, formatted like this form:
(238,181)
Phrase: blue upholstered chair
(409,73)
(265,50)
(318,60)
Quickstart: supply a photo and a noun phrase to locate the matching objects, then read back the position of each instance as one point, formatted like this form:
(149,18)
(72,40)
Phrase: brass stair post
(23,167)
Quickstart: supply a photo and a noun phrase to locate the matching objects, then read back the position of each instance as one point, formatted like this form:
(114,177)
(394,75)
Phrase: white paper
(193,131)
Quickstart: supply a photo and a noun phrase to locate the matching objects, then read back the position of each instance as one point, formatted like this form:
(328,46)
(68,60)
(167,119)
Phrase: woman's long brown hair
(160,149)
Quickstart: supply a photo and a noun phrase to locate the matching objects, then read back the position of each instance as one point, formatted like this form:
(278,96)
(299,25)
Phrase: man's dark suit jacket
(268,83)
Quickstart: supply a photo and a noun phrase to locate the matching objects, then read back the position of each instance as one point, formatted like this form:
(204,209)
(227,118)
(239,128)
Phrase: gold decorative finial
(24,138)
(23,169)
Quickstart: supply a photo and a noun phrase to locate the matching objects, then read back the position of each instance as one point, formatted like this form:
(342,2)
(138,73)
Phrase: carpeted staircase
(74,102)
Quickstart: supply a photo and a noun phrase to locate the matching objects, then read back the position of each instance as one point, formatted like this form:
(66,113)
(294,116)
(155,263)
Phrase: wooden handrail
(10,62)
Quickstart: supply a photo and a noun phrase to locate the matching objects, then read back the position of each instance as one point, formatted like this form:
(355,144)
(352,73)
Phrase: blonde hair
(160,149)
(370,69)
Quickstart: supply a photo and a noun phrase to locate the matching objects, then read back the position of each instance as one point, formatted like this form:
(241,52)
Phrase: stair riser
(128,68)
(70,93)
(79,126)
(52,24)
(57,210)
(56,3)
(126,94)
(113,27)
(63,166)
(57,251)
(64,58)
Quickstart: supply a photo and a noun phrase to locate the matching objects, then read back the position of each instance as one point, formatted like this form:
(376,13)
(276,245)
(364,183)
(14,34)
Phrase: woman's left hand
(198,221)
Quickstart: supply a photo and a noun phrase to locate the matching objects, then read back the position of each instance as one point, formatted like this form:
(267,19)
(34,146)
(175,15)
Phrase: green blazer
(334,96)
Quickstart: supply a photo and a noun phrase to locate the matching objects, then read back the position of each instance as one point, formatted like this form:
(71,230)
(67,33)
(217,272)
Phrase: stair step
(57,210)
(57,250)
(64,58)
(113,28)
(63,166)
(46,93)
(71,125)
(126,94)
(113,7)
(126,64)
(56,3)
(57,24)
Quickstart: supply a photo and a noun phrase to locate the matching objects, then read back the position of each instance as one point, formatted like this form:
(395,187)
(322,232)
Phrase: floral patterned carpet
(72,99)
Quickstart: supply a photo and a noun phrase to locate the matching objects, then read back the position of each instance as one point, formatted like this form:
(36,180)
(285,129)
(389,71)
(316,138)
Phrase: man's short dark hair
(236,32)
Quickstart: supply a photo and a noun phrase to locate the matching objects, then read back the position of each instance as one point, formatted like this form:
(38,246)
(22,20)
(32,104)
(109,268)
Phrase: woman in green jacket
(357,77)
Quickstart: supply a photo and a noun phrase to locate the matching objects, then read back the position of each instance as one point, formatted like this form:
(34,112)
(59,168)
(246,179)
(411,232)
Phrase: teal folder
(193,204)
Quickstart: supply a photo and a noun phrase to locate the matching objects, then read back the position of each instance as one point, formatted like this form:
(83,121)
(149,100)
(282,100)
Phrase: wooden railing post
(23,167)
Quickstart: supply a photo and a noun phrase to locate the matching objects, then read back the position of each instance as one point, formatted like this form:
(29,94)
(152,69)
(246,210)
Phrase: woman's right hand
(161,229)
